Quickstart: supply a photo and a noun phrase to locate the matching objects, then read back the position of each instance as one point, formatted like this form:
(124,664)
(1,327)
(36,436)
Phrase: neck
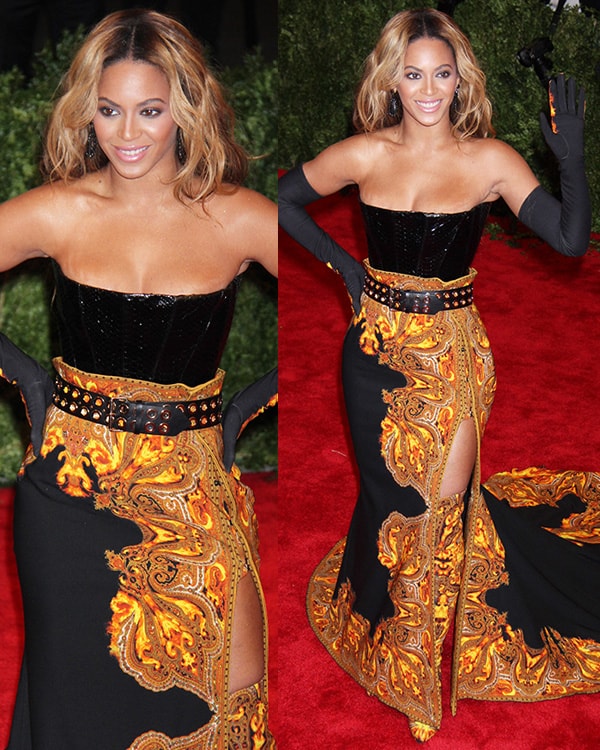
(432,138)
(151,189)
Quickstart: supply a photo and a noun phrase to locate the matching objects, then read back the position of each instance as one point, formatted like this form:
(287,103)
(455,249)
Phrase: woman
(136,546)
(426,545)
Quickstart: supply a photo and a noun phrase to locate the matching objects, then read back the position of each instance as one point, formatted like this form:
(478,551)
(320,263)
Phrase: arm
(255,235)
(22,229)
(255,230)
(294,193)
(566,224)
(26,226)
(244,406)
(34,383)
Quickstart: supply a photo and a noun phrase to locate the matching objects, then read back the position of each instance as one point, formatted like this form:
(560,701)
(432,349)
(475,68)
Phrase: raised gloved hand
(564,224)
(34,383)
(564,132)
(244,406)
(294,193)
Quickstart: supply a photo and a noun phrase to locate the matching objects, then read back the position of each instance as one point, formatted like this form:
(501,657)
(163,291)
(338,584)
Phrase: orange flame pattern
(434,566)
(494,661)
(449,371)
(171,618)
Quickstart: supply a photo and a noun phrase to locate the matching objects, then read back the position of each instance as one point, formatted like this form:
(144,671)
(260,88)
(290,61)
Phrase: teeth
(133,152)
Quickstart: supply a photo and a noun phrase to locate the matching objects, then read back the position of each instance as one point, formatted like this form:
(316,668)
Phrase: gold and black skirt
(130,548)
(414,562)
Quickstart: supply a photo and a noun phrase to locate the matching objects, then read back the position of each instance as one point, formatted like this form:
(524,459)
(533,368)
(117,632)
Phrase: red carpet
(542,314)
(11,641)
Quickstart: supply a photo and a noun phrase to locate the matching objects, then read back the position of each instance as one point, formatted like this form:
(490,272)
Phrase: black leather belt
(425,302)
(148,417)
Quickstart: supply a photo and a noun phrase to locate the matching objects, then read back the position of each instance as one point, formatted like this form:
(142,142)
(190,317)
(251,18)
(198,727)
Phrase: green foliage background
(25,291)
(323,44)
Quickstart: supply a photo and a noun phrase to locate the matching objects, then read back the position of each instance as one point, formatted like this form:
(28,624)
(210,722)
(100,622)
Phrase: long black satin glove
(294,193)
(244,406)
(564,224)
(34,383)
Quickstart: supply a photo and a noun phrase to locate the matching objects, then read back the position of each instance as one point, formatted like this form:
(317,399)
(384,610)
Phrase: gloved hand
(244,406)
(564,132)
(294,193)
(34,383)
(564,224)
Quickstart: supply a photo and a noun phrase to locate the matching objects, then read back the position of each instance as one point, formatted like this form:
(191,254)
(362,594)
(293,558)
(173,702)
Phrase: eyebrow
(145,103)
(419,70)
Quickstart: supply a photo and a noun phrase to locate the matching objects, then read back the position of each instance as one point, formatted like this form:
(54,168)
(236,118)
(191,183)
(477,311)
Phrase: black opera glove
(294,193)
(565,225)
(244,406)
(34,383)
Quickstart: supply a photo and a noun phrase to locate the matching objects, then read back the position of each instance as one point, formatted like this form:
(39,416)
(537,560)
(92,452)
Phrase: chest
(427,181)
(137,250)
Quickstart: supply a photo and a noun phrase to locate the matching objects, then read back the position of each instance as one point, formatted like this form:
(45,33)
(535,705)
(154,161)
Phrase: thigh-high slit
(133,551)
(514,563)
(381,600)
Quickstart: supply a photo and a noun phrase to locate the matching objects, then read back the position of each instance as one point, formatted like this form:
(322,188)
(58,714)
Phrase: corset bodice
(155,337)
(423,244)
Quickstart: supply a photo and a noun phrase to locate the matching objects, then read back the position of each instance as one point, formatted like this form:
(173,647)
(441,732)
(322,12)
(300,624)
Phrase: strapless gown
(130,546)
(513,565)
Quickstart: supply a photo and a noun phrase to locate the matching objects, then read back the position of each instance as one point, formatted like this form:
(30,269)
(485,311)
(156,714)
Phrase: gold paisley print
(494,661)
(438,571)
(447,362)
(171,617)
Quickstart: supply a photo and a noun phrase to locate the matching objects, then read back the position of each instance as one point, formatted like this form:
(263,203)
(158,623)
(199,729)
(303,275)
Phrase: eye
(106,111)
(151,112)
(413,76)
(444,74)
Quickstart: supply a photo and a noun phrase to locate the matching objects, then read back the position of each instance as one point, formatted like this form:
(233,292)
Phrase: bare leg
(449,551)
(247,650)
(461,460)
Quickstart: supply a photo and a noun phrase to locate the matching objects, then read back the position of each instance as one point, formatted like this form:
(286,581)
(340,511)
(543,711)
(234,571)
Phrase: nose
(428,84)
(128,127)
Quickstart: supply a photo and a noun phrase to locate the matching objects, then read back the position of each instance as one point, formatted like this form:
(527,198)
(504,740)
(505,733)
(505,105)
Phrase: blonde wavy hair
(472,115)
(198,107)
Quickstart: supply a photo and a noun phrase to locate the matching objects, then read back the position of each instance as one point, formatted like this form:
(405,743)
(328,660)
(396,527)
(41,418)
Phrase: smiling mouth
(429,105)
(132,153)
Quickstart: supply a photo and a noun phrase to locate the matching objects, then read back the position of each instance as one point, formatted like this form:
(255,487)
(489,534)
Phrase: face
(428,83)
(133,122)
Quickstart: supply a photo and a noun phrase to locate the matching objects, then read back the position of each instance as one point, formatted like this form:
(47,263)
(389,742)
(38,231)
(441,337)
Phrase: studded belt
(148,417)
(427,302)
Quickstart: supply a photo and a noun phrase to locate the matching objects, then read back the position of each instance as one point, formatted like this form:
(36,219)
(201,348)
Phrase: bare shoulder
(493,152)
(240,206)
(248,221)
(43,201)
(507,173)
(27,220)
(356,149)
(343,163)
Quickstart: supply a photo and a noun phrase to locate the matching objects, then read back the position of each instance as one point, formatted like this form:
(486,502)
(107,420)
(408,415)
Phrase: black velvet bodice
(423,244)
(155,337)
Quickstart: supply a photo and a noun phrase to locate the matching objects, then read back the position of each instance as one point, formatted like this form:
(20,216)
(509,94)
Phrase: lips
(429,106)
(131,154)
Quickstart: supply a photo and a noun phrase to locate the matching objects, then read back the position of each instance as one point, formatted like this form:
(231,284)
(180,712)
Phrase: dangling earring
(92,142)
(456,100)
(394,105)
(180,148)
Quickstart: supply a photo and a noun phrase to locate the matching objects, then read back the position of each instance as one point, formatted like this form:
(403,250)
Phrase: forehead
(133,79)
(427,52)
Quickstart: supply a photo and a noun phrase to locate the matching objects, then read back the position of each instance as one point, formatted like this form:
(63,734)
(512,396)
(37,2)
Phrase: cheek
(163,131)
(103,126)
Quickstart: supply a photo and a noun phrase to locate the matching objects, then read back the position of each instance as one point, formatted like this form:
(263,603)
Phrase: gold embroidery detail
(172,612)
(495,662)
